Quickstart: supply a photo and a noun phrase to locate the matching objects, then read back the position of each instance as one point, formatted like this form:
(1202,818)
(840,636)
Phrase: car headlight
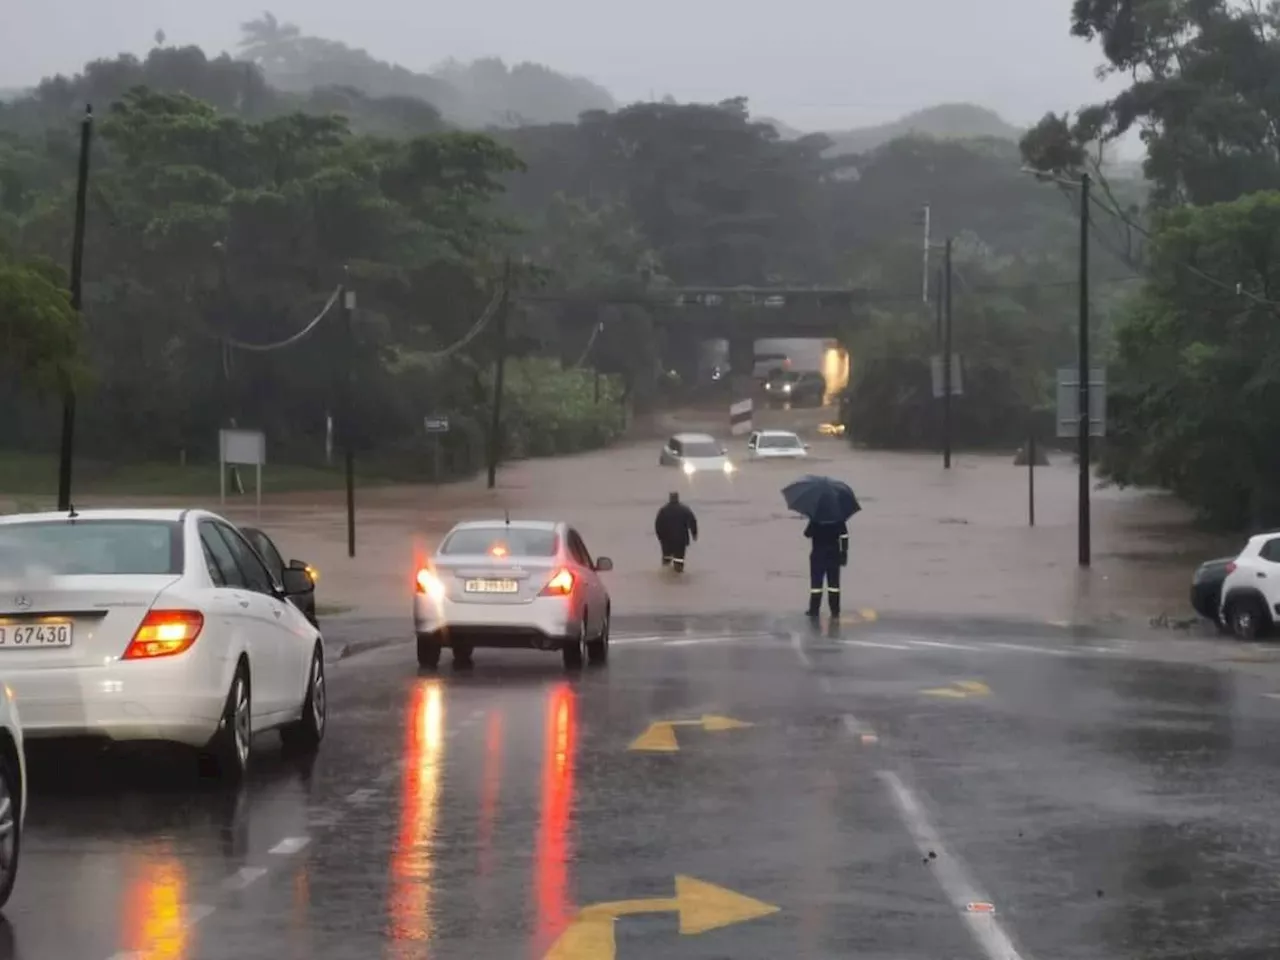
(786,388)
(688,468)
(729,467)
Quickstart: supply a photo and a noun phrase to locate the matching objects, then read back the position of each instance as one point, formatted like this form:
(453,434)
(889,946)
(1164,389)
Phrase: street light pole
(946,360)
(348,427)
(1084,519)
(67,444)
(495,423)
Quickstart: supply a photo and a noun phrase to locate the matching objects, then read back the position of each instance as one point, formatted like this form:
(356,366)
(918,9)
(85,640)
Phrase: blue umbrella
(821,499)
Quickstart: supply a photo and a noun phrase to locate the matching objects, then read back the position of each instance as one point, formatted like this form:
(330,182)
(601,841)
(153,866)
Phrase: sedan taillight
(561,585)
(164,633)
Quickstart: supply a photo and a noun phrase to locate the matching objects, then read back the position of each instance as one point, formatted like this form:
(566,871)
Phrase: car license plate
(491,586)
(27,636)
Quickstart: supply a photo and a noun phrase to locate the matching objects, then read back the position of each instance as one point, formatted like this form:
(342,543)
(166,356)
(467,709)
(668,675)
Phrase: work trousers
(824,566)
(673,555)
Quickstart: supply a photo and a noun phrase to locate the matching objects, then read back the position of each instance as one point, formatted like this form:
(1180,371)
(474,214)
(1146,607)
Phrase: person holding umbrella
(828,504)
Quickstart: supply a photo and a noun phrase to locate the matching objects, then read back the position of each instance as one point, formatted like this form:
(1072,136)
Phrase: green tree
(39,330)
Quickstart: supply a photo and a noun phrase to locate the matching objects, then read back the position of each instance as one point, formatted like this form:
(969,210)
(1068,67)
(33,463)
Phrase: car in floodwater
(696,453)
(522,584)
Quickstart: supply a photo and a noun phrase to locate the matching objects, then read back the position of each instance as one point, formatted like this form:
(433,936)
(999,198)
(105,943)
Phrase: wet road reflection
(410,906)
(155,906)
(554,847)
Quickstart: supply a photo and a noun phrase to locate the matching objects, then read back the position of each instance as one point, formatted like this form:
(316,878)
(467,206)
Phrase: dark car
(1206,589)
(271,556)
(797,388)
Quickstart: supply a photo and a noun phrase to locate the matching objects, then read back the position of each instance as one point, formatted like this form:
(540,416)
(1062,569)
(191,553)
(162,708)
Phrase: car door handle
(277,612)
(244,603)
(1261,575)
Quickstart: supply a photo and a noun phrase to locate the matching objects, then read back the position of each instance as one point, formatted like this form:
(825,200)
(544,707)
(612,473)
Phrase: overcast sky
(811,63)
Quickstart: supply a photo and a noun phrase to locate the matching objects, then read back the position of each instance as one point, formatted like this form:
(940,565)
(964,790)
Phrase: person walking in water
(675,526)
(828,552)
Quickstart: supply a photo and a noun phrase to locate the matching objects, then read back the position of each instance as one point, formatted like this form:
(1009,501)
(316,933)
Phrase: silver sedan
(525,584)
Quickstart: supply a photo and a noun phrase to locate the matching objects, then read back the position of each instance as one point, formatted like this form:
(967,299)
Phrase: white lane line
(243,877)
(700,640)
(646,638)
(952,874)
(363,795)
(875,645)
(1026,648)
(797,644)
(948,646)
(289,846)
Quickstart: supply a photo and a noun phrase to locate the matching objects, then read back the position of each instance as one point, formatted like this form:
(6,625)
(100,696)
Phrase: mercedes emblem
(21,602)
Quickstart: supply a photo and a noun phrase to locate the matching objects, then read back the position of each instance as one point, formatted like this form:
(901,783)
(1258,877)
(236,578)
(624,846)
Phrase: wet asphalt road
(901,792)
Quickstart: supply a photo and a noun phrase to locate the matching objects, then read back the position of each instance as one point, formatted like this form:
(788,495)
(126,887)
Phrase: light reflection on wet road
(1108,807)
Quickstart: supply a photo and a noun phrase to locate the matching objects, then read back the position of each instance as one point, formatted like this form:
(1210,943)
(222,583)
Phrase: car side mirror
(805,445)
(604,564)
(297,565)
(296,582)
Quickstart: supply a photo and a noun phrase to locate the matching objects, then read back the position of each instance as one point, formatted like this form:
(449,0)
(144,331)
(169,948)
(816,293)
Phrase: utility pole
(495,424)
(946,360)
(67,444)
(348,426)
(924,293)
(1084,521)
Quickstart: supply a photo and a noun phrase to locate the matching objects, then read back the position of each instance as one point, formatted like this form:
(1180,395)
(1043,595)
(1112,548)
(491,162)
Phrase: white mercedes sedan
(155,625)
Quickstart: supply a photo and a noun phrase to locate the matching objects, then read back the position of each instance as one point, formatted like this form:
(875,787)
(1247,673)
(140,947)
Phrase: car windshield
(501,540)
(91,548)
(702,448)
(780,441)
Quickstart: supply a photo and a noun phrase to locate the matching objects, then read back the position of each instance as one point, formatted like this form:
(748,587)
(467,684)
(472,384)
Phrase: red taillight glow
(164,633)
(428,583)
(561,585)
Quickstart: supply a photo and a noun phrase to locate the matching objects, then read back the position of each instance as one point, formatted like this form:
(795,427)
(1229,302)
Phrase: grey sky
(812,63)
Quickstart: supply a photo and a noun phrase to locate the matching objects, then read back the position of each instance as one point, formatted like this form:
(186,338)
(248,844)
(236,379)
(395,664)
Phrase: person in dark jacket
(675,526)
(828,552)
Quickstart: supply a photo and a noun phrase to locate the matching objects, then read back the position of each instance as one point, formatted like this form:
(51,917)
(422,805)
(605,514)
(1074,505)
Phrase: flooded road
(747,788)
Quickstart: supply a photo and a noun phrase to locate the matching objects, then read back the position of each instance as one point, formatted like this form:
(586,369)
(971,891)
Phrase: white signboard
(241,448)
(740,417)
(1069,402)
(935,372)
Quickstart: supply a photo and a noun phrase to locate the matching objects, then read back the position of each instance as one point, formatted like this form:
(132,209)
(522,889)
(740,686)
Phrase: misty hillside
(946,121)
(483,93)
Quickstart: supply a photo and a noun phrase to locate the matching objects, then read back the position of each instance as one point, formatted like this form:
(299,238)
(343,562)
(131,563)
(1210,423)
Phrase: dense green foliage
(224,211)
(1194,392)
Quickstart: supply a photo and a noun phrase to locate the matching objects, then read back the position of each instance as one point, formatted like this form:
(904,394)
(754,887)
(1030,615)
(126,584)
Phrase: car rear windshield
(63,548)
(501,540)
(696,448)
(783,442)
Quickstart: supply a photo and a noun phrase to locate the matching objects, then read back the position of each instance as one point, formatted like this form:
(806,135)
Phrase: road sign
(935,371)
(740,417)
(247,448)
(701,906)
(1069,402)
(436,424)
(661,736)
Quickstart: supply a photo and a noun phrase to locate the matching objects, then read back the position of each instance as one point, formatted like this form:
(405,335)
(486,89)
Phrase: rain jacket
(675,524)
(829,540)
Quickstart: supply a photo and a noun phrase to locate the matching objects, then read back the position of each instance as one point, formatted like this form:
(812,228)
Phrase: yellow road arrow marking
(701,906)
(960,690)
(661,736)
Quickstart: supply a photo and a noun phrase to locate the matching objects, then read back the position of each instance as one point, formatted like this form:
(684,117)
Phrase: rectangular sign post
(938,378)
(740,417)
(436,427)
(1069,402)
(244,448)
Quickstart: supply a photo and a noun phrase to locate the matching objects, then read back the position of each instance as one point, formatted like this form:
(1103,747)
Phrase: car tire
(598,649)
(1247,618)
(232,745)
(307,732)
(574,647)
(10,825)
(428,652)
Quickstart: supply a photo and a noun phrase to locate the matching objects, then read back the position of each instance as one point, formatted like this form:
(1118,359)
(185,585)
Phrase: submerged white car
(527,584)
(155,625)
(776,444)
(696,453)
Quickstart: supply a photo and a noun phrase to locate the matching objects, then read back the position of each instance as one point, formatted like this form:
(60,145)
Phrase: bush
(550,410)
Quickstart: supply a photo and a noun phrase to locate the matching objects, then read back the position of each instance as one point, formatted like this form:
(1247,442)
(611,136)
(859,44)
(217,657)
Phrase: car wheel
(10,826)
(308,731)
(573,647)
(428,652)
(598,649)
(1246,617)
(233,743)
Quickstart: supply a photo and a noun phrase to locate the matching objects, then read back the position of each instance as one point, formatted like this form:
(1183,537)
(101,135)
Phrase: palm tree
(268,42)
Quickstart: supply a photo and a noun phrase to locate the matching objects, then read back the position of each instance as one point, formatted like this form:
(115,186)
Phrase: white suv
(1251,591)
